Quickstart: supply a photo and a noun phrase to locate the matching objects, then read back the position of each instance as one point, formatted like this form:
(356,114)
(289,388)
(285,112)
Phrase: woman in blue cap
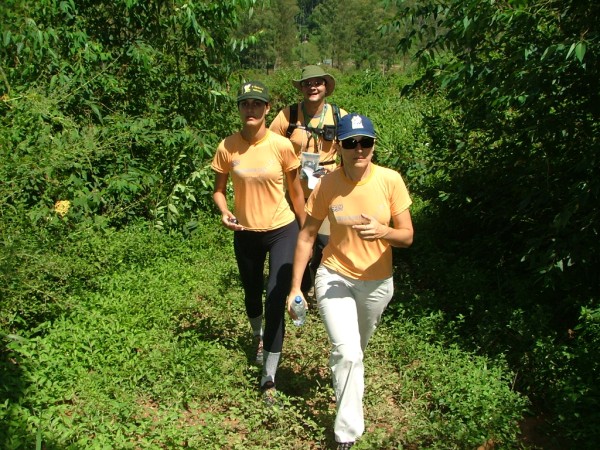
(368,208)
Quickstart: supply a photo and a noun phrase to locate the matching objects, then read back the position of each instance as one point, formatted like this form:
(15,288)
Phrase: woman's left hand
(371,229)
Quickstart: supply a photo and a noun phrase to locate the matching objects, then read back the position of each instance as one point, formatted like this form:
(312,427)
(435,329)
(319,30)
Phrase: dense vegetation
(516,188)
(117,288)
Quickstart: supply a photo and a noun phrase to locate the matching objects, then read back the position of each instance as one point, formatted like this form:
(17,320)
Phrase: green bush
(110,353)
(465,400)
(511,189)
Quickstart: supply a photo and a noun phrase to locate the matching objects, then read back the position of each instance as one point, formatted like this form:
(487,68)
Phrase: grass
(157,356)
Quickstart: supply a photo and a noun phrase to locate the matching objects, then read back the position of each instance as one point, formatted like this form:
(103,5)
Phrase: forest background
(110,113)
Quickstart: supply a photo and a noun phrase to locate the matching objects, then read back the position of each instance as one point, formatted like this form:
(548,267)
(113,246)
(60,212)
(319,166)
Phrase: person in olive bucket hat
(316,72)
(262,165)
(311,126)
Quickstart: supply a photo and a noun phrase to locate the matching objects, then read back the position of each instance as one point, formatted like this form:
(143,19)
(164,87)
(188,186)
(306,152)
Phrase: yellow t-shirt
(304,141)
(382,195)
(258,173)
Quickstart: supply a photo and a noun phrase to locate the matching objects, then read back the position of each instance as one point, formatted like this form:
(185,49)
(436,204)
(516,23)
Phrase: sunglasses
(351,143)
(315,83)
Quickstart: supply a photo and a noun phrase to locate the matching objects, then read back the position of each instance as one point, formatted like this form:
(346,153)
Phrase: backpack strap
(293,120)
(336,115)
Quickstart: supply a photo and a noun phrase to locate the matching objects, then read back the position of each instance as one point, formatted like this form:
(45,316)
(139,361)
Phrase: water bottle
(300,310)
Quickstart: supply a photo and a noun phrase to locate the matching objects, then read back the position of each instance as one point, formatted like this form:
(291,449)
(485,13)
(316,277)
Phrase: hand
(292,295)
(320,172)
(372,229)
(230,221)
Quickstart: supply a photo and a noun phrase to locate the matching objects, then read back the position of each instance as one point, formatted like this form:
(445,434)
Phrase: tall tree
(286,32)
(276,34)
(348,32)
(326,20)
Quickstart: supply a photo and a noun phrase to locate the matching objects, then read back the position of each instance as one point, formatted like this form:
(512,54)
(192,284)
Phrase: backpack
(329,131)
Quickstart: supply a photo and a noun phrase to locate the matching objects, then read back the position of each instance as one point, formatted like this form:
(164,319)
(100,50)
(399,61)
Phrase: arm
(400,235)
(304,246)
(220,200)
(278,125)
(296,195)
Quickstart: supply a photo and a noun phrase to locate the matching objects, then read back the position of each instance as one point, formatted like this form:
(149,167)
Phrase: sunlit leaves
(578,49)
(151,73)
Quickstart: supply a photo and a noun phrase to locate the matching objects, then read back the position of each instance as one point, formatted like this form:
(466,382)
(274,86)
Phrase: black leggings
(251,248)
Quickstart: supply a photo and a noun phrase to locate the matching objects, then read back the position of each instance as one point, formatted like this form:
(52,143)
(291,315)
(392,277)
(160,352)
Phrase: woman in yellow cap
(259,162)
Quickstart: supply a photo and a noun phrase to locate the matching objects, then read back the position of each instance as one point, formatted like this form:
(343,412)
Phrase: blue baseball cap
(354,124)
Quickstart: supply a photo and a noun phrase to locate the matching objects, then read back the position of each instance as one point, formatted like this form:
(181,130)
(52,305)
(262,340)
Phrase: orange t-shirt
(258,173)
(304,141)
(382,195)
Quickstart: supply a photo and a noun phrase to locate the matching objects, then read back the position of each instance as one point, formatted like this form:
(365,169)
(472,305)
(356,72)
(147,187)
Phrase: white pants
(351,310)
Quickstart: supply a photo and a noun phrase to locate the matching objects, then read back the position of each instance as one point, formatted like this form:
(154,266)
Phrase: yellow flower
(62,207)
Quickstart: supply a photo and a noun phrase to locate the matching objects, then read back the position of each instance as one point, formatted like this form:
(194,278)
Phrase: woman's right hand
(229,221)
(291,297)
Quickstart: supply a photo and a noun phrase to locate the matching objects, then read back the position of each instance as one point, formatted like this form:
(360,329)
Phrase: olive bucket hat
(315,72)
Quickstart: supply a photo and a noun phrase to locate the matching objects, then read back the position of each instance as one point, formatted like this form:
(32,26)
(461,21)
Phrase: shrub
(465,400)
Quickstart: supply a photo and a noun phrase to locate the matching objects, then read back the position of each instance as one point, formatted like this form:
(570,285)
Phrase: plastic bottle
(300,310)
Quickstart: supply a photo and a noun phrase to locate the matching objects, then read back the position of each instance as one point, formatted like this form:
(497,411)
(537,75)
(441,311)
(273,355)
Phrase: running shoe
(269,393)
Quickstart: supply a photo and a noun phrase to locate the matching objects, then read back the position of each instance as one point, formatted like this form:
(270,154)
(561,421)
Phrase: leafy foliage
(330,32)
(109,115)
(115,106)
(155,351)
(513,178)
(465,400)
